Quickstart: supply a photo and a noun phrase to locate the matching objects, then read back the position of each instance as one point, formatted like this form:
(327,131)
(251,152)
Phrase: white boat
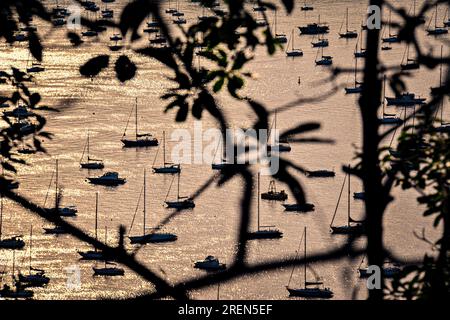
(210,263)
(353,226)
(311,289)
(154,236)
(14,242)
(263,232)
(90,163)
(111,179)
(167,168)
(348,34)
(180,202)
(35,277)
(93,254)
(293,52)
(140,140)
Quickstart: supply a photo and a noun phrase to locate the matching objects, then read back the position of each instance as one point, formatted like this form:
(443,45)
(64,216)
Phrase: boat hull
(307,207)
(353,229)
(274,196)
(91,255)
(12,244)
(92,166)
(108,272)
(310,293)
(265,234)
(167,170)
(180,204)
(106,182)
(153,238)
(140,143)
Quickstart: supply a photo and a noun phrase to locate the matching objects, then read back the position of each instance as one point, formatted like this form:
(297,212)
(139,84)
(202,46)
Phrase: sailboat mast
(1,214)
(384,94)
(88,147)
(435,17)
(136,120)
(356,70)
(346,20)
(145,199)
(348,198)
(31,244)
(258,200)
(96,218)
(304,256)
(164,148)
(178,187)
(56,188)
(440,85)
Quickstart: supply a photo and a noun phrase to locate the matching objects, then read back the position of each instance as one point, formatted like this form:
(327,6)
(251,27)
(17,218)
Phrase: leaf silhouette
(125,69)
(94,66)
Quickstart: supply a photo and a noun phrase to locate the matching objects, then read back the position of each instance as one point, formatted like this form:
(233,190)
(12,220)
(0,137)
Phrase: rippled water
(103,106)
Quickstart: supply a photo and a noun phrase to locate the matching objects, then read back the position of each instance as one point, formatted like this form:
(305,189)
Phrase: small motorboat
(55,230)
(210,264)
(15,242)
(273,194)
(36,278)
(405,99)
(187,203)
(108,271)
(91,255)
(108,179)
(304,207)
(19,293)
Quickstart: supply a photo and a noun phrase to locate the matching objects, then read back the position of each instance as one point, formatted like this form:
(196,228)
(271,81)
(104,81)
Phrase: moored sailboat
(141,139)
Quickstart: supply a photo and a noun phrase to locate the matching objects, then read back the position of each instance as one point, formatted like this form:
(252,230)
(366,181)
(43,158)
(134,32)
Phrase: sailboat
(107,13)
(14,242)
(19,292)
(154,237)
(391,38)
(93,254)
(93,164)
(437,30)
(321,42)
(279,146)
(69,211)
(180,202)
(444,127)
(348,34)
(409,64)
(170,10)
(388,118)
(140,140)
(324,60)
(263,232)
(389,270)
(311,289)
(35,277)
(279,37)
(352,226)
(362,51)
(167,167)
(358,87)
(35,67)
(109,269)
(293,52)
(273,194)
